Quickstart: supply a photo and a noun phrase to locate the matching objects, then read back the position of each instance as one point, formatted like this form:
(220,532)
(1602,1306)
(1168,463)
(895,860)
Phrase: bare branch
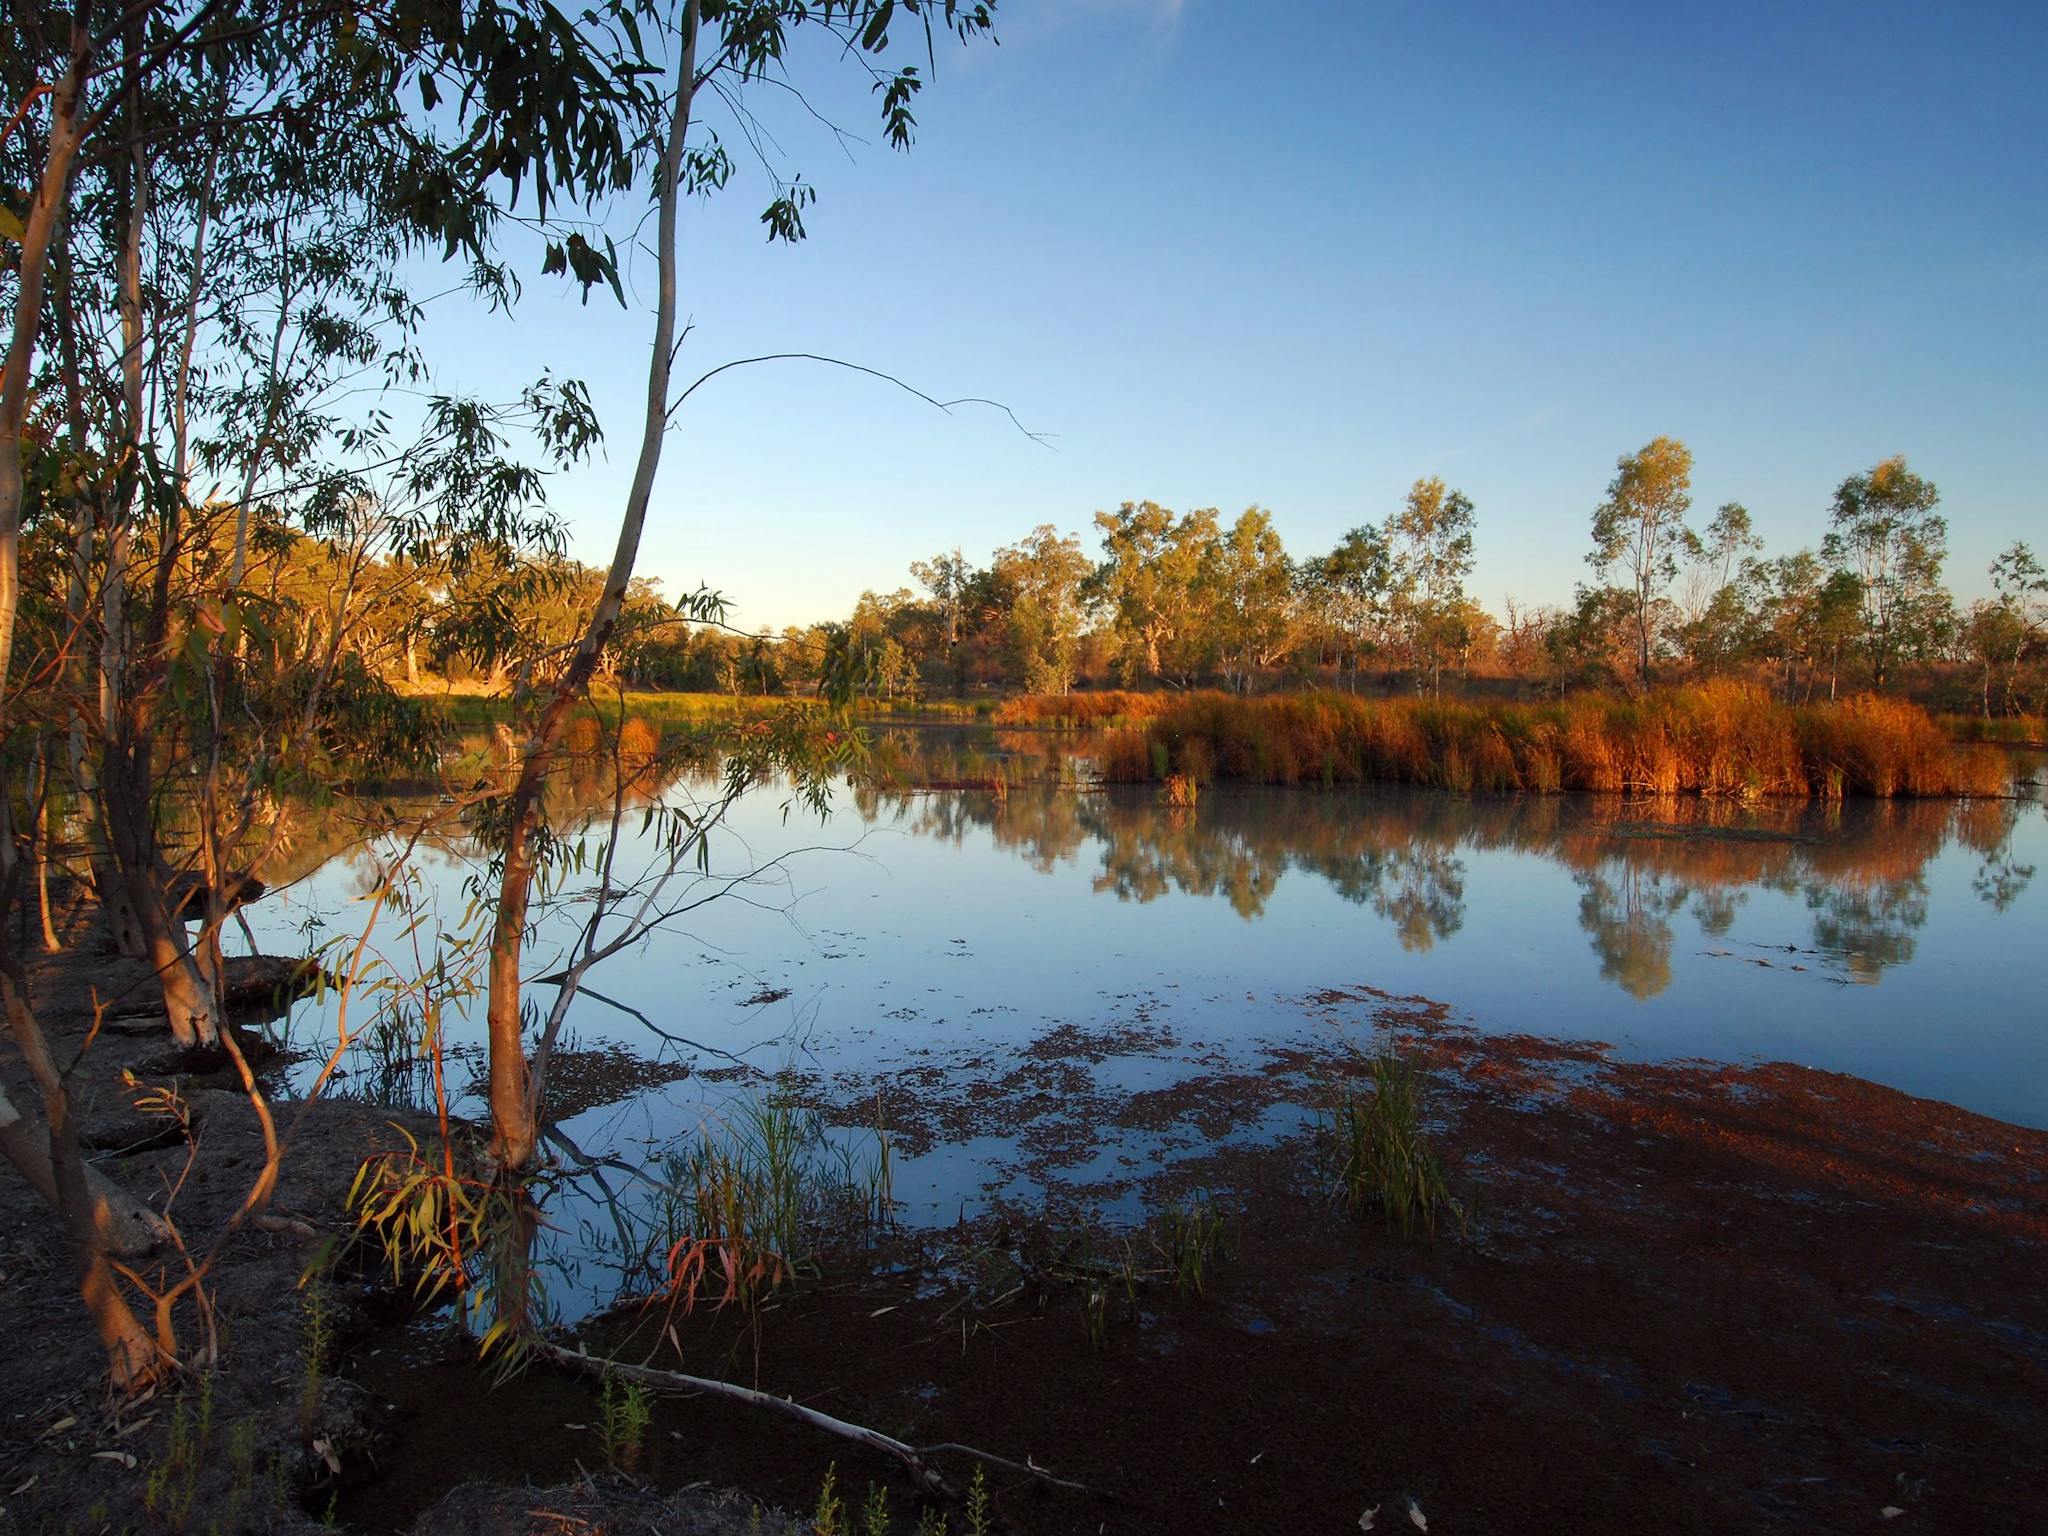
(1043,439)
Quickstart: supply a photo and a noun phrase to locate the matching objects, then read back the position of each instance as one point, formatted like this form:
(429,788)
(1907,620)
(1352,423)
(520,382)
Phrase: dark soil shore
(1696,1298)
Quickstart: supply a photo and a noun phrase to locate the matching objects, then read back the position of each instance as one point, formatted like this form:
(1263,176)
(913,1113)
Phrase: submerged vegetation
(1193,1235)
(1723,739)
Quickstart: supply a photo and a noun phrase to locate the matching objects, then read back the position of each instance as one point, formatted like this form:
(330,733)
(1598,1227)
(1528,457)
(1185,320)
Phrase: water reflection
(1000,895)
(1628,918)
(1858,869)
(1988,827)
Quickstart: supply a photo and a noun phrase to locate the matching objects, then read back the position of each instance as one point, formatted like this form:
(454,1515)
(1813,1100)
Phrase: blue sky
(1298,254)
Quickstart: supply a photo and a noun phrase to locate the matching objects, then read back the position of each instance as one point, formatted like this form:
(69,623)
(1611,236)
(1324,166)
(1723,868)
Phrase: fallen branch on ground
(912,1458)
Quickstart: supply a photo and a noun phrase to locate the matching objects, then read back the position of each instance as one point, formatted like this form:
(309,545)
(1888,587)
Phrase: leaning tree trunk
(109,889)
(514,1117)
(39,787)
(45,212)
(134,656)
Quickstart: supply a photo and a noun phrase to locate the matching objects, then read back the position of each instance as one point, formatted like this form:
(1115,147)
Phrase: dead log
(911,1458)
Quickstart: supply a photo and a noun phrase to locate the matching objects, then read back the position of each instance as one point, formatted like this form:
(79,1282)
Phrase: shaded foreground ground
(1699,1298)
(1696,1298)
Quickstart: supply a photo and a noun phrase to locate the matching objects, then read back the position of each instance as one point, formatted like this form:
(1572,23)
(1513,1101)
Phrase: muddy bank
(1695,1297)
(246,1438)
(1692,1297)
(247,1445)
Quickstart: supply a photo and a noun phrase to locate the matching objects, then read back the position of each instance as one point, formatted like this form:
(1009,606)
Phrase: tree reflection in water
(1859,868)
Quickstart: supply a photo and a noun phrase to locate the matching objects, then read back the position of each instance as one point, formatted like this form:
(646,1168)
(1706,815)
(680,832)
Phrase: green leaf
(876,37)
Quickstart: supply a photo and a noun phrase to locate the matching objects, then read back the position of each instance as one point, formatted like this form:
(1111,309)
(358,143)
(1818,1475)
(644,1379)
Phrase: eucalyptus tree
(885,666)
(223,195)
(1714,558)
(1592,641)
(1150,583)
(469,118)
(1046,573)
(1250,586)
(1990,635)
(150,144)
(2021,588)
(948,578)
(1349,593)
(721,51)
(1806,618)
(1431,542)
(177,312)
(145,121)
(1884,531)
(1641,528)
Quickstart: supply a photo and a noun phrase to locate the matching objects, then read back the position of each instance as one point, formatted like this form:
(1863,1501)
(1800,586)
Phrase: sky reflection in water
(1898,942)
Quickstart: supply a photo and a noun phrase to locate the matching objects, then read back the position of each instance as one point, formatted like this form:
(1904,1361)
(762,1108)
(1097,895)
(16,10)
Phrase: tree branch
(911,1458)
(1043,439)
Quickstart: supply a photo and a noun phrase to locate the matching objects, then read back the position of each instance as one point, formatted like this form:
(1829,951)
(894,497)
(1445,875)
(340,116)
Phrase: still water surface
(1899,942)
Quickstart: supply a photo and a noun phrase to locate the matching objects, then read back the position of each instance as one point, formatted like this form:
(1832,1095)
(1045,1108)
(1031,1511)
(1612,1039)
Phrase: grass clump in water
(1193,1238)
(746,1203)
(1384,1158)
(1718,740)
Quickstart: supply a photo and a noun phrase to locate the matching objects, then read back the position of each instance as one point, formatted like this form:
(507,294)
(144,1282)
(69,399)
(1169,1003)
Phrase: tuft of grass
(874,1514)
(745,1201)
(318,1308)
(1095,1315)
(828,1518)
(172,1484)
(1383,1154)
(625,1409)
(1998,730)
(980,1517)
(1193,1237)
(1081,711)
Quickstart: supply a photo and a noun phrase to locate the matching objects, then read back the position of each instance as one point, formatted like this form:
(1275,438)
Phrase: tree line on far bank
(1186,599)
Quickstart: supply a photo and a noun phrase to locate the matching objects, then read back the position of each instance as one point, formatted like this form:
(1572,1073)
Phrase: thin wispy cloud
(1160,19)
